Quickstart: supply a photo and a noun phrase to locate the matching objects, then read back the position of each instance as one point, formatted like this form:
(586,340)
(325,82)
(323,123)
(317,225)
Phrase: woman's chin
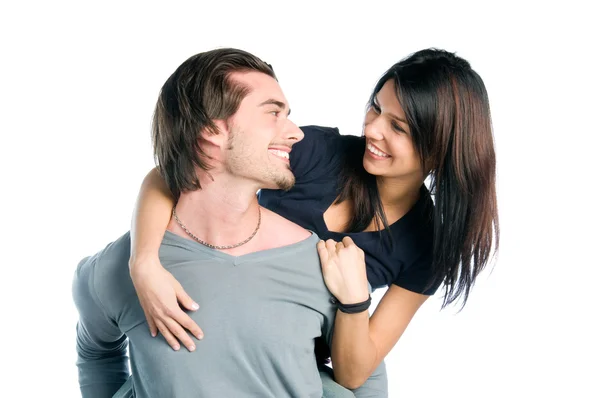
(370,167)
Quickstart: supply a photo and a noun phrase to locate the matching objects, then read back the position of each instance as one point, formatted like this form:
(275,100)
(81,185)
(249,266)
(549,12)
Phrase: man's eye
(276,113)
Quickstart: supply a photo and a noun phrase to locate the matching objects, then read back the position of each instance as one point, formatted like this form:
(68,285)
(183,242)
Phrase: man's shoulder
(114,258)
(283,231)
(106,273)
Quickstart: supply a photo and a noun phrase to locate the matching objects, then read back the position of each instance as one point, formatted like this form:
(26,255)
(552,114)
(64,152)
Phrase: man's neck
(224,212)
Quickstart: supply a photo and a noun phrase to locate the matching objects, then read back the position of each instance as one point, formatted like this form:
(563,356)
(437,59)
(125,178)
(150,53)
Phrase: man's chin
(285,183)
(287,186)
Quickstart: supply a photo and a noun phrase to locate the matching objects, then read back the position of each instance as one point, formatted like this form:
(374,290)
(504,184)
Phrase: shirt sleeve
(418,276)
(101,347)
(315,153)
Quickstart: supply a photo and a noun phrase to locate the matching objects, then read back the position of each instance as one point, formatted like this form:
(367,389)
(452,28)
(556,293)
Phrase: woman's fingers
(171,340)
(176,330)
(188,323)
(323,253)
(151,324)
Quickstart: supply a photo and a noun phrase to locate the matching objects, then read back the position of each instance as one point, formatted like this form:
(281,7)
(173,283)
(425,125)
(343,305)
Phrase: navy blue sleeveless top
(317,162)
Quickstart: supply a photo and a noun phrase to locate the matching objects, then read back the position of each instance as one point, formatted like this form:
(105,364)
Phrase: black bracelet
(352,308)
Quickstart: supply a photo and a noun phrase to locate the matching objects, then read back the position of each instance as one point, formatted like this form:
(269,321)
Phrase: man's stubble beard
(236,165)
(285,184)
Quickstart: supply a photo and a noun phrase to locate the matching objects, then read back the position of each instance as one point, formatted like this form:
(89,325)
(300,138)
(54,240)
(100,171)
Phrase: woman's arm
(360,343)
(151,217)
(158,291)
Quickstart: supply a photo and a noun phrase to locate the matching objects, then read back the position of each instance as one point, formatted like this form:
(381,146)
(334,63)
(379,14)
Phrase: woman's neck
(398,196)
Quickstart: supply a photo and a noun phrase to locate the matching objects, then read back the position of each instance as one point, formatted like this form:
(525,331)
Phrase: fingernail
(192,347)
(195,306)
(200,336)
(153,334)
(176,347)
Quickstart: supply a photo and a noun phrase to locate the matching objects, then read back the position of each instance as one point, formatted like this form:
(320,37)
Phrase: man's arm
(101,346)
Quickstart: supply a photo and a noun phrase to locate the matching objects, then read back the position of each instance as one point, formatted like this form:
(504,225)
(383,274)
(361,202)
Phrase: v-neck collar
(173,239)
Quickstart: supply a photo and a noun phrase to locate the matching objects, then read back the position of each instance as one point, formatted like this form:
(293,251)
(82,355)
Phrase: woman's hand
(344,270)
(160,295)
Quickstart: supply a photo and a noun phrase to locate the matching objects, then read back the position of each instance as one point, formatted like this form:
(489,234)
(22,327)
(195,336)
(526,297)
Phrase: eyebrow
(391,114)
(398,118)
(275,102)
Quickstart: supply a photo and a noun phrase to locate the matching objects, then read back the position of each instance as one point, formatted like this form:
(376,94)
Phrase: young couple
(273,285)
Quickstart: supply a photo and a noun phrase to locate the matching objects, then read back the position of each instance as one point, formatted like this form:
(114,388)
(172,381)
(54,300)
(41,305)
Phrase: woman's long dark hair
(447,110)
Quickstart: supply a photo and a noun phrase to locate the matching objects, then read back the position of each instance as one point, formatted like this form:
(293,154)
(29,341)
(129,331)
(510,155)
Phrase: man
(221,132)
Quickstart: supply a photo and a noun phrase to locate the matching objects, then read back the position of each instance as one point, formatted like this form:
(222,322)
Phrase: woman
(428,116)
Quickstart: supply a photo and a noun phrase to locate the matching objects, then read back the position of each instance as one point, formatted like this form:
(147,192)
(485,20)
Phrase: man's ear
(218,137)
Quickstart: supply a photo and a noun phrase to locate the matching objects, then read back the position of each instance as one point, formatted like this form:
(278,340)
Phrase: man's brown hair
(198,92)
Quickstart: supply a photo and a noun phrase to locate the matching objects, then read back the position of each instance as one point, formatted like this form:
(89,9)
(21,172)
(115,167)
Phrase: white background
(78,86)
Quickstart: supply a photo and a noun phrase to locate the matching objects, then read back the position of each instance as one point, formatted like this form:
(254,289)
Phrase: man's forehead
(261,85)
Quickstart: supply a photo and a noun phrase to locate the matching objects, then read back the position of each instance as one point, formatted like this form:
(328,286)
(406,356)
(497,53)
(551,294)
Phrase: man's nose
(293,132)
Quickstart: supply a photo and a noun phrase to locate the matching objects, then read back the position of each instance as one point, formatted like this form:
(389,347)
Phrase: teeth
(376,151)
(281,154)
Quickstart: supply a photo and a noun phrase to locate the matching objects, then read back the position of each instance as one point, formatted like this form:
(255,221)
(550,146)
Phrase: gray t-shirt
(260,313)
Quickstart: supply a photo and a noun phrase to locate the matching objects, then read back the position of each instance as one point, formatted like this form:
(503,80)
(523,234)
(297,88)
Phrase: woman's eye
(396,127)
